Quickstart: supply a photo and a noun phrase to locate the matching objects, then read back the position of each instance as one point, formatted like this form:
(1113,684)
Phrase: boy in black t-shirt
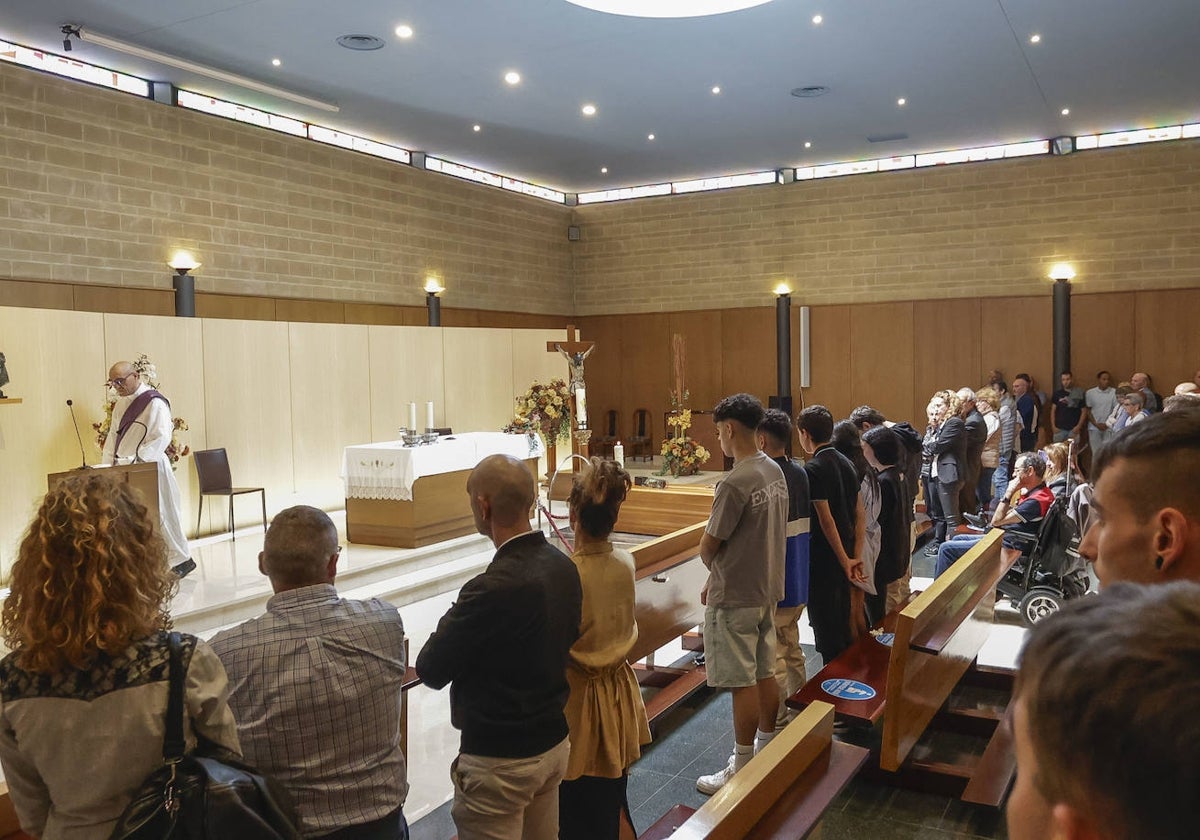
(836,508)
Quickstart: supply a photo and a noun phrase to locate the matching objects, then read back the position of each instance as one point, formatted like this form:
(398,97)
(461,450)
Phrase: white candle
(619,453)
(429,415)
(412,416)
(580,408)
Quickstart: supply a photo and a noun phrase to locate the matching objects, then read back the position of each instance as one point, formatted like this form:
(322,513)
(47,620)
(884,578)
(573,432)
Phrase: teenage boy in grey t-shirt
(743,549)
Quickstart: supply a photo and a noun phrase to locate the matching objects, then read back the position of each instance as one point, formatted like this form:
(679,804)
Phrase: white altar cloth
(388,470)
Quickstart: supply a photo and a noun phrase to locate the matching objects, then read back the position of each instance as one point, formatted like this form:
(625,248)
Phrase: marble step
(405,575)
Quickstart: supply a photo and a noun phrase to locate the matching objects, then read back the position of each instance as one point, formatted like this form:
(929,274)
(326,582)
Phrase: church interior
(397,236)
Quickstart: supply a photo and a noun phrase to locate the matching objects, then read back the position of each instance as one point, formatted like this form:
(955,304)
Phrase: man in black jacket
(968,498)
(504,645)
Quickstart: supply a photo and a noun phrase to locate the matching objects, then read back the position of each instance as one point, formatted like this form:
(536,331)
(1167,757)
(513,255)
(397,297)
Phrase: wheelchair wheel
(1038,603)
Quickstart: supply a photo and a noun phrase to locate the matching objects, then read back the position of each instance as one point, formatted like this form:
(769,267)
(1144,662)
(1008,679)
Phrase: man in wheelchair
(1020,512)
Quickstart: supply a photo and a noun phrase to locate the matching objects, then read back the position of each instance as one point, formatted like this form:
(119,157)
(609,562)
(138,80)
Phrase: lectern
(141,477)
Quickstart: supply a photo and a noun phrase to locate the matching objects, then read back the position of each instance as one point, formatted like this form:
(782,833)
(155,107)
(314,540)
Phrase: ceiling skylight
(667,8)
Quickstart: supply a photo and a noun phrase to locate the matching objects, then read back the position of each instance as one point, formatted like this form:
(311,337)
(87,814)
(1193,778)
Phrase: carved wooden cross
(574,350)
(572,345)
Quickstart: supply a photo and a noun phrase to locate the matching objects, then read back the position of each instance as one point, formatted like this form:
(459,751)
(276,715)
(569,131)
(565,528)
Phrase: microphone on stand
(137,453)
(78,437)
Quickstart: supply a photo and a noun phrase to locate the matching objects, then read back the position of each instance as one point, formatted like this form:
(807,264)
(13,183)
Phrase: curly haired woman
(604,710)
(84,691)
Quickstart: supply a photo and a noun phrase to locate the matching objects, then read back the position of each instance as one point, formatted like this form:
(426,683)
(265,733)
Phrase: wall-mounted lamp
(433,303)
(783,348)
(1062,273)
(183,283)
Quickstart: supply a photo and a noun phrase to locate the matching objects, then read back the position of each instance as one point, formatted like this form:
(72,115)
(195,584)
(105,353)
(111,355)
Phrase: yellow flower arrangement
(681,454)
(545,409)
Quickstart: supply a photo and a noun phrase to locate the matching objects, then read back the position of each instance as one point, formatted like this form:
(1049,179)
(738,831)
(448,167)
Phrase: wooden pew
(10,826)
(938,635)
(782,792)
(657,511)
(669,578)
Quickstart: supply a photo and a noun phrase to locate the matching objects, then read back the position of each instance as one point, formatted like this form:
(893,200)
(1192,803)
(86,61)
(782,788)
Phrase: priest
(140,432)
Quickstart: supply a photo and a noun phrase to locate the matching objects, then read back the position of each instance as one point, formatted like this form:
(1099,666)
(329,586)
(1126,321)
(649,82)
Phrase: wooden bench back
(735,809)
(670,576)
(938,636)
(657,511)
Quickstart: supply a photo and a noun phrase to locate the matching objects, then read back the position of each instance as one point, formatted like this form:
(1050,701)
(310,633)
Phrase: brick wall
(101,187)
(1127,219)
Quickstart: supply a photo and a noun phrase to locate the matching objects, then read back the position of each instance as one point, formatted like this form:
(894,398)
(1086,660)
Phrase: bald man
(141,432)
(1145,509)
(503,645)
(315,686)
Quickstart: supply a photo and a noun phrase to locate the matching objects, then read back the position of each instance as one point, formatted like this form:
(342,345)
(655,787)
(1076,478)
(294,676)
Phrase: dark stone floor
(697,738)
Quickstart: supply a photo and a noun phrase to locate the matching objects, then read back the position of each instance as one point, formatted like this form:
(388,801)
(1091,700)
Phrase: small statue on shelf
(3,376)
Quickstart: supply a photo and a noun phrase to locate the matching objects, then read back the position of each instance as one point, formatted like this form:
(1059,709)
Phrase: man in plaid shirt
(315,687)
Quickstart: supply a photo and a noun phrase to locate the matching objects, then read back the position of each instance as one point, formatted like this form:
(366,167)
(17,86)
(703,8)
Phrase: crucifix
(575,350)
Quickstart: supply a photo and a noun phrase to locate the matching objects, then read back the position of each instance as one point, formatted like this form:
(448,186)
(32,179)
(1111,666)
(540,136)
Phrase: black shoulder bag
(208,795)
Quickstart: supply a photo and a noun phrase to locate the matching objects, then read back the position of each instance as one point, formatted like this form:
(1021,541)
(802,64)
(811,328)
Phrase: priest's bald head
(300,549)
(502,492)
(123,378)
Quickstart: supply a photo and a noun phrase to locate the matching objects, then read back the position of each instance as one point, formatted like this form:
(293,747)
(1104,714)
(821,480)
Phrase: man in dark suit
(976,431)
(949,453)
(503,645)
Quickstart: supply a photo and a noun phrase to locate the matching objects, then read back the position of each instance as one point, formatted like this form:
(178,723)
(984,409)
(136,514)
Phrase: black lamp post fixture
(1061,274)
(783,349)
(432,302)
(184,283)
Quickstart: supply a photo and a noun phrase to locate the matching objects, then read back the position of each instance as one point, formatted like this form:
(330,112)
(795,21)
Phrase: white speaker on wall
(805,349)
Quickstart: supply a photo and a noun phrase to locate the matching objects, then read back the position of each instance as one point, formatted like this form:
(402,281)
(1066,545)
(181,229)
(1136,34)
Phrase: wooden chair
(212,470)
(641,442)
(603,444)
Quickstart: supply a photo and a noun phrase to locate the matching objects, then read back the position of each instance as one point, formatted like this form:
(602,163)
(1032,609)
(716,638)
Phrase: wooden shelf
(11,400)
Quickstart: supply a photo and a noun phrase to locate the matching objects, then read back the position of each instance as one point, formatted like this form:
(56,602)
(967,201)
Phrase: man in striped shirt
(315,687)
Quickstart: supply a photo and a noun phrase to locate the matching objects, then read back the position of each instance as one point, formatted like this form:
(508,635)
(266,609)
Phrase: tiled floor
(695,740)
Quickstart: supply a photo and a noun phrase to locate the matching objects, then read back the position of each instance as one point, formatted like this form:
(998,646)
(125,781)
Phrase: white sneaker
(709,785)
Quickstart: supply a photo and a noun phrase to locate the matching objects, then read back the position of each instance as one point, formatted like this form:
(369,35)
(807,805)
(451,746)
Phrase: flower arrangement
(545,409)
(681,454)
(148,373)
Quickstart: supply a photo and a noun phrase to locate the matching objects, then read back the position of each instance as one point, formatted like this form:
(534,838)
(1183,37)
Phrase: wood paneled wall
(82,297)
(282,398)
(888,355)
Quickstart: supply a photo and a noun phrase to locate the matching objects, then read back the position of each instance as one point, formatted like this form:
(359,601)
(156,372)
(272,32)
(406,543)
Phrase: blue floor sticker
(848,689)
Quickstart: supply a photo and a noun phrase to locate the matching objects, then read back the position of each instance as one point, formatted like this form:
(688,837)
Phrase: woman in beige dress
(605,711)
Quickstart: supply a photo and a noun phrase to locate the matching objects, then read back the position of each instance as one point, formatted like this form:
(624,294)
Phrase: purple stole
(135,411)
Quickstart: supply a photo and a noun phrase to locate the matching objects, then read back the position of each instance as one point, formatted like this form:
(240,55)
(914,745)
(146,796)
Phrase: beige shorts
(739,645)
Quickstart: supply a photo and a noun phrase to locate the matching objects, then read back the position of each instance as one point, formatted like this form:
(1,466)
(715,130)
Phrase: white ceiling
(966,67)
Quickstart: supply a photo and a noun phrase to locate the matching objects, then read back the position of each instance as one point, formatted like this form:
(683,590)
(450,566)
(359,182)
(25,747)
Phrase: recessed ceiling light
(807,144)
(1035,38)
(817,19)
(477,127)
(404,31)
(360,43)
(603,170)
(512,77)
(901,101)
(716,89)
(275,62)
(649,136)
(667,8)
(1066,111)
(589,110)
